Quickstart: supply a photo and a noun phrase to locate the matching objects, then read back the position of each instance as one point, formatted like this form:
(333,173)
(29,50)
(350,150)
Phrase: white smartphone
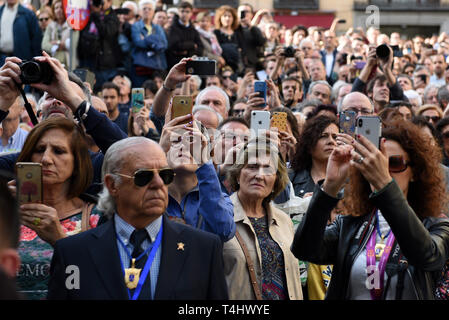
(370,127)
(260,123)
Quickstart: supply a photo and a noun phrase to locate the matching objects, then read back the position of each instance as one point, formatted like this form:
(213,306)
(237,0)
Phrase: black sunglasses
(144,176)
(43,19)
(434,118)
(397,164)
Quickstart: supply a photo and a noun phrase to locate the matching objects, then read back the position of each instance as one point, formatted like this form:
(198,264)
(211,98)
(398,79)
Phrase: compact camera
(34,71)
(202,66)
(289,52)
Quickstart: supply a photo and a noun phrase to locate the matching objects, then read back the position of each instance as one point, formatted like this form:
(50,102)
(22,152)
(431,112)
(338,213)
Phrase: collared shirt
(6,28)
(124,231)
(206,207)
(329,63)
(15,142)
(439,81)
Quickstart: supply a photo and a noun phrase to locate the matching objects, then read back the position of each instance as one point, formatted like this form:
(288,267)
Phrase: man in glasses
(357,102)
(138,254)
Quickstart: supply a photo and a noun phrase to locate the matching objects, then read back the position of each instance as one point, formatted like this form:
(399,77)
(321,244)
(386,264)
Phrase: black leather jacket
(425,244)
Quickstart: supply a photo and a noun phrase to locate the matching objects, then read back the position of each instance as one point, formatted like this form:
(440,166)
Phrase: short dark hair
(150,85)
(421,122)
(184,5)
(233,119)
(328,107)
(9,214)
(381,78)
(111,85)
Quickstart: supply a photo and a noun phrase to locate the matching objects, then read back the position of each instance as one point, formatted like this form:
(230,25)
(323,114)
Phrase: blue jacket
(206,207)
(149,50)
(27,34)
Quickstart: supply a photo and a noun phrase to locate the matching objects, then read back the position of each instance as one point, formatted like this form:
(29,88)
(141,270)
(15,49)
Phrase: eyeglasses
(144,176)
(43,19)
(357,110)
(238,112)
(397,164)
(434,118)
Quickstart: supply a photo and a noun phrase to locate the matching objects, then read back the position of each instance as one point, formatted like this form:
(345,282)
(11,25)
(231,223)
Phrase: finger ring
(360,160)
(36,221)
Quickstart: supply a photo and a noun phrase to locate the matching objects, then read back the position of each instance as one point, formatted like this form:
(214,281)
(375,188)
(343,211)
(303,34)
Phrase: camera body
(34,71)
(383,52)
(289,52)
(97,3)
(201,66)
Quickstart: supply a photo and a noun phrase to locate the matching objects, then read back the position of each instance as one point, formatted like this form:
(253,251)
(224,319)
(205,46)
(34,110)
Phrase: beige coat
(236,271)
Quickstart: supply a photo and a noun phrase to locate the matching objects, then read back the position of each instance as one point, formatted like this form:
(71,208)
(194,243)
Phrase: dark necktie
(136,239)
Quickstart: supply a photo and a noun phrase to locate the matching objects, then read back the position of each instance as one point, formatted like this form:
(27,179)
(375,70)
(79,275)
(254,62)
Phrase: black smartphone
(243,14)
(201,67)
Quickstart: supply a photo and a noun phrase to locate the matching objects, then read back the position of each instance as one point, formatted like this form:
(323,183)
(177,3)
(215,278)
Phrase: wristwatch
(167,88)
(82,110)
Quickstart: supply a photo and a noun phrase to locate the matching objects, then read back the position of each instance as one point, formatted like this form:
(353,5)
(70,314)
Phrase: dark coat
(195,273)
(425,244)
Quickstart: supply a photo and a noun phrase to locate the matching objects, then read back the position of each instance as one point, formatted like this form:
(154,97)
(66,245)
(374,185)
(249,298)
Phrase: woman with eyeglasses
(56,40)
(58,144)
(394,243)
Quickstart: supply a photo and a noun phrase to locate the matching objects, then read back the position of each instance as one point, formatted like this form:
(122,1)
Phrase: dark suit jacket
(193,274)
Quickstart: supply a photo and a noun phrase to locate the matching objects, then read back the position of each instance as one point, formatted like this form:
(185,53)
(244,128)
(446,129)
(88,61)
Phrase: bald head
(357,102)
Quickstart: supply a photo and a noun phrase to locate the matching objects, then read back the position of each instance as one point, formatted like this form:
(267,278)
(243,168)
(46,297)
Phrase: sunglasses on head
(144,176)
(434,118)
(397,164)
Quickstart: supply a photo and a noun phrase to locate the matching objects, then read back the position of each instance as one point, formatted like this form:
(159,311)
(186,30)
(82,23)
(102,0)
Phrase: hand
(372,57)
(143,120)
(231,155)
(279,53)
(288,144)
(374,166)
(9,73)
(61,87)
(173,127)
(274,100)
(337,169)
(248,79)
(12,186)
(177,74)
(299,55)
(198,145)
(254,101)
(49,228)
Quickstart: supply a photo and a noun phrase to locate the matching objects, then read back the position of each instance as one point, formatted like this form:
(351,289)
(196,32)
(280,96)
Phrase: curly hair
(221,11)
(309,138)
(426,194)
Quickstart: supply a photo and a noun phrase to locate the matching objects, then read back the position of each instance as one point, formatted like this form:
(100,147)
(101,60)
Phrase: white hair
(113,161)
(172,10)
(220,90)
(305,40)
(413,95)
(197,80)
(144,2)
(132,4)
(199,107)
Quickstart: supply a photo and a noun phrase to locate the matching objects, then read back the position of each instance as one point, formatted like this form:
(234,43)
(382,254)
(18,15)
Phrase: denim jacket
(208,203)
(149,49)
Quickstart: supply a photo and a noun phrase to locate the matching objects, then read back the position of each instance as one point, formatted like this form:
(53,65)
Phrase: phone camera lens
(360,122)
(260,122)
(29,175)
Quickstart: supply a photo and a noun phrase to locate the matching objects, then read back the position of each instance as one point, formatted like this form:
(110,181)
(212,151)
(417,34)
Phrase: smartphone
(370,127)
(137,99)
(85,75)
(242,15)
(29,182)
(279,121)
(260,123)
(359,65)
(181,106)
(347,122)
(423,77)
(261,88)
(201,67)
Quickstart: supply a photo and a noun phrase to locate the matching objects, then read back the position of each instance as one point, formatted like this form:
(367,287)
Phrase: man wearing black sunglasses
(139,253)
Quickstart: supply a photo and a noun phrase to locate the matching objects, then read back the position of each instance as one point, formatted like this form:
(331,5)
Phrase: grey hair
(412,94)
(199,107)
(112,163)
(220,90)
(144,2)
(430,87)
(306,40)
(132,4)
(307,103)
(313,84)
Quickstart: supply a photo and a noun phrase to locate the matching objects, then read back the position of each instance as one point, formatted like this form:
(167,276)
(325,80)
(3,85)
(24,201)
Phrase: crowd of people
(148,205)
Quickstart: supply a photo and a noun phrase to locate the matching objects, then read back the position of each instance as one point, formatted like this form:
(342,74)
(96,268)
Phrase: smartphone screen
(29,182)
(137,99)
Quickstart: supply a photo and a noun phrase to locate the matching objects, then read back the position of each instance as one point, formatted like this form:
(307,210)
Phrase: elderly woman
(394,244)
(149,42)
(56,40)
(258,262)
(309,164)
(58,144)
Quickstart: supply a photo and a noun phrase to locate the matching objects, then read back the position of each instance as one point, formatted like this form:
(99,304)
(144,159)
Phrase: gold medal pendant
(379,250)
(132,276)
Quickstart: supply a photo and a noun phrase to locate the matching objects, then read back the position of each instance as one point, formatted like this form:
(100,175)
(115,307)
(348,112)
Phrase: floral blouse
(36,255)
